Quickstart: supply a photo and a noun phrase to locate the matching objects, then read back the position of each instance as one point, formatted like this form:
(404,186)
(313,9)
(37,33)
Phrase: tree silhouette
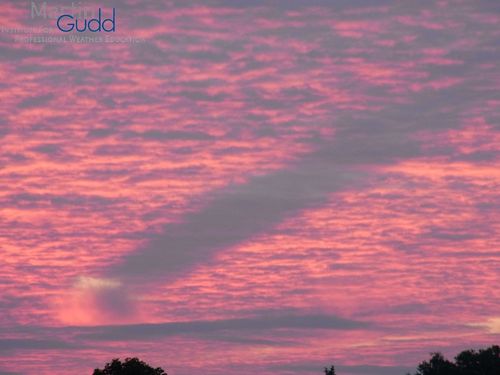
(468,362)
(330,371)
(437,365)
(131,366)
(482,362)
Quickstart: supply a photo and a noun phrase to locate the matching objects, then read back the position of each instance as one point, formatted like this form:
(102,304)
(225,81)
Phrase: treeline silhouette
(469,362)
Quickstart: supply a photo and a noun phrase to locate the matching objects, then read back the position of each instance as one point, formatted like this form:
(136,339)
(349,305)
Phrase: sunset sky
(250,186)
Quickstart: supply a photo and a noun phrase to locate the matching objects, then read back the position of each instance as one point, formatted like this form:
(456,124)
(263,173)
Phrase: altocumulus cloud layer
(264,186)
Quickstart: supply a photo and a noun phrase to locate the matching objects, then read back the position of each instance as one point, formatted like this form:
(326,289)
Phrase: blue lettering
(84,26)
(81,25)
(112,20)
(95,20)
(69,23)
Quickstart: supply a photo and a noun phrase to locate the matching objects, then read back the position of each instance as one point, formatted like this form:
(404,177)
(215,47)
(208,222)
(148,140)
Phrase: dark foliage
(131,366)
(468,362)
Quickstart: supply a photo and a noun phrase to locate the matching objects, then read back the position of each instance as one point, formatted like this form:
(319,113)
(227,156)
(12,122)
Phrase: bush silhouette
(330,371)
(131,366)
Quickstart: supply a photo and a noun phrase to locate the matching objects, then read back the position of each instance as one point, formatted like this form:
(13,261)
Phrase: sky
(241,187)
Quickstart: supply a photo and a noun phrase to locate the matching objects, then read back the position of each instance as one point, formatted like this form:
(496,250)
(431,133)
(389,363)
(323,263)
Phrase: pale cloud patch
(492,325)
(94,301)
